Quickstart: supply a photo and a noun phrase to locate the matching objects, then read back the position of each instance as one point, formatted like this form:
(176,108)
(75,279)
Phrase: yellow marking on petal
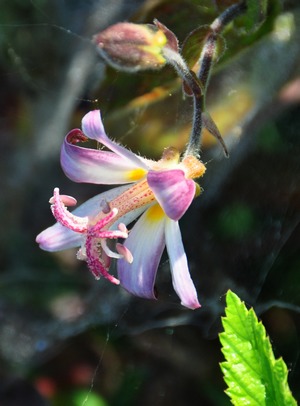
(155,213)
(136,174)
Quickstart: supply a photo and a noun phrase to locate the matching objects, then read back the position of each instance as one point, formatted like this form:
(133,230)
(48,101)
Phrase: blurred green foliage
(236,221)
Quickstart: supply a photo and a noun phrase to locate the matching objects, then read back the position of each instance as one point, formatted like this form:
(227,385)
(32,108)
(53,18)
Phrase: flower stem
(210,48)
(178,63)
(193,147)
(194,85)
(229,15)
(197,84)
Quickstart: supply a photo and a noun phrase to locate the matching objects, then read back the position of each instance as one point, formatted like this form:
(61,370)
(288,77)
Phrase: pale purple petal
(182,282)
(96,166)
(146,242)
(58,237)
(172,191)
(93,128)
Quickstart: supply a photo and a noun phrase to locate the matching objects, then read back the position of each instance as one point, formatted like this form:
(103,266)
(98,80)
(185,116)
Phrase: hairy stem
(190,79)
(210,48)
(206,61)
(197,84)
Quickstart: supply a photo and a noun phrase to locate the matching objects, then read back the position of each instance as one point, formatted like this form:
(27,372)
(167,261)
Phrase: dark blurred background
(66,339)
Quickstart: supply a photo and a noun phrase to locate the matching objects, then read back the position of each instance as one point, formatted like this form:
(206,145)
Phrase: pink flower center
(96,251)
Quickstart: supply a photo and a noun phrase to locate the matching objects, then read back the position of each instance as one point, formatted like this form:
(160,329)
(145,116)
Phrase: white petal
(93,128)
(146,242)
(182,282)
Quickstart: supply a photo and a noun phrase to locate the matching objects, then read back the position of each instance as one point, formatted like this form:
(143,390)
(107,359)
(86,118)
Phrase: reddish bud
(132,47)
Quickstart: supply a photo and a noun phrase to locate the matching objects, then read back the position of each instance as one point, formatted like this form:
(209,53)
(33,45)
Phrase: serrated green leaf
(253,375)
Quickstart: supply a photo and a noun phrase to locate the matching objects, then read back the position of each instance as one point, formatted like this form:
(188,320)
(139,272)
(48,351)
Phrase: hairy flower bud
(132,47)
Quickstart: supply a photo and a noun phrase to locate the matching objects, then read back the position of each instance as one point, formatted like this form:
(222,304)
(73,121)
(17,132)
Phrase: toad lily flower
(159,192)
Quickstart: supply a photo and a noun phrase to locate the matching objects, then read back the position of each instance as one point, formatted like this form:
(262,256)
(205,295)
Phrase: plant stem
(191,80)
(210,48)
(206,61)
(228,15)
(197,84)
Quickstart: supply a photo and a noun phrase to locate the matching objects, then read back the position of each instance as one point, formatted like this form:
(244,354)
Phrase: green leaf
(253,375)
(256,14)
(194,42)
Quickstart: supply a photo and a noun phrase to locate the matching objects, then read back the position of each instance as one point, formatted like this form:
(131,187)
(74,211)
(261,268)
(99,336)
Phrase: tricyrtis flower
(158,191)
(95,231)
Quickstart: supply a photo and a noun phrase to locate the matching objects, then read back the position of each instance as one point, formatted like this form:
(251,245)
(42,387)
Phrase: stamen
(123,228)
(64,217)
(104,206)
(95,265)
(65,199)
(81,254)
(108,251)
(124,251)
(97,229)
(102,222)
(105,259)
(111,234)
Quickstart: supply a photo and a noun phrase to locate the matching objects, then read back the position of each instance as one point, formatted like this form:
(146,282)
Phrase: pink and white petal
(93,128)
(146,242)
(96,166)
(59,238)
(172,191)
(182,281)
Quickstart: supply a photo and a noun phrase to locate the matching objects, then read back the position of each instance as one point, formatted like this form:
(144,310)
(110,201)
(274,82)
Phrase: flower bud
(132,47)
